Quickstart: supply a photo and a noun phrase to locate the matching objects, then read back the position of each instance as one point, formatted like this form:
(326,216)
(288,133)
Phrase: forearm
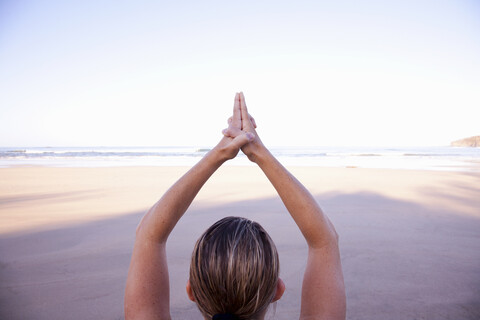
(313,223)
(159,221)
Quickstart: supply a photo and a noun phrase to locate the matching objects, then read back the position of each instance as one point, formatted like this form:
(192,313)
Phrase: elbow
(144,226)
(146,232)
(139,229)
(328,238)
(142,230)
(335,234)
(333,238)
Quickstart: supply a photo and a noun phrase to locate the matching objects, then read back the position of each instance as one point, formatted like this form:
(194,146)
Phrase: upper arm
(323,289)
(147,293)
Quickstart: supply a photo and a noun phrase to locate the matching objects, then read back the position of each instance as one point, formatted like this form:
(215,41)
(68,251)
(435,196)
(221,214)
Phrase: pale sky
(314,73)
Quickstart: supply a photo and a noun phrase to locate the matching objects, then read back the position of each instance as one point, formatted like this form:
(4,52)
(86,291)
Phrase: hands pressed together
(240,133)
(147,290)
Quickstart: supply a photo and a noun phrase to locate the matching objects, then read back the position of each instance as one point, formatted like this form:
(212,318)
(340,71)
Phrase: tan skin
(147,294)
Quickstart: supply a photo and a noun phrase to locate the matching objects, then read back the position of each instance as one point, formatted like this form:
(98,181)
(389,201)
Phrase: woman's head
(234,269)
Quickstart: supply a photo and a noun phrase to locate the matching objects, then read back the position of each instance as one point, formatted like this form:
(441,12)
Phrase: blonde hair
(234,269)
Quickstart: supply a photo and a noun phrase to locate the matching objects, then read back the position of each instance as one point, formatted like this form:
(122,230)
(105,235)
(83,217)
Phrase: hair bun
(224,316)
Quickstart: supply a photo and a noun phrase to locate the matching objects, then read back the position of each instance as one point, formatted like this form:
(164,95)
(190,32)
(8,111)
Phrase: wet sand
(410,240)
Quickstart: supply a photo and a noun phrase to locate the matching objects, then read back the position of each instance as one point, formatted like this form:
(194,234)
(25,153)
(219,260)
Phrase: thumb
(241,140)
(231,132)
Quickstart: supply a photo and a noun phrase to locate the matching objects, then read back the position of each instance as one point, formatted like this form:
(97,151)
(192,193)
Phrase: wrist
(217,156)
(259,155)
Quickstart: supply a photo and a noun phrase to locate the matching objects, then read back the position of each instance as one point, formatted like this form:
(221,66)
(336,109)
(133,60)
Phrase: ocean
(415,158)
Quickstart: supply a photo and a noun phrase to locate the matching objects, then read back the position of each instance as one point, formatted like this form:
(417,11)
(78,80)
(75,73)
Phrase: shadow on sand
(401,260)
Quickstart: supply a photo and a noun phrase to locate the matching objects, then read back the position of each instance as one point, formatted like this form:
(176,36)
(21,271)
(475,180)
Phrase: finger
(241,140)
(253,121)
(236,118)
(245,117)
(230,120)
(231,132)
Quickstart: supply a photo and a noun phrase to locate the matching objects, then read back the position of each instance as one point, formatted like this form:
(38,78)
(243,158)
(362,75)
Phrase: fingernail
(224,131)
(250,136)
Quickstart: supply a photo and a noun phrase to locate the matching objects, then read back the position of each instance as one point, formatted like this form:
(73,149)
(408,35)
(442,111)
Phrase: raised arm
(147,293)
(323,291)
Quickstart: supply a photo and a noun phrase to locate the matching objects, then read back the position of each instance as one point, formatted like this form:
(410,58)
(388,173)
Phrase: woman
(234,268)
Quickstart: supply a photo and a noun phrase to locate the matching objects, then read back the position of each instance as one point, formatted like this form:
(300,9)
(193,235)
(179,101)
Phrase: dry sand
(410,240)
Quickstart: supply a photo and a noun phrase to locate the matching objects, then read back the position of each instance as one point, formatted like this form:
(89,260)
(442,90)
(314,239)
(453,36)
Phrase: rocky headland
(467,142)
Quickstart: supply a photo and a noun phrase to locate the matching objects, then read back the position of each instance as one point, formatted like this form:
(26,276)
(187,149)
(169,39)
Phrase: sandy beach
(410,240)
